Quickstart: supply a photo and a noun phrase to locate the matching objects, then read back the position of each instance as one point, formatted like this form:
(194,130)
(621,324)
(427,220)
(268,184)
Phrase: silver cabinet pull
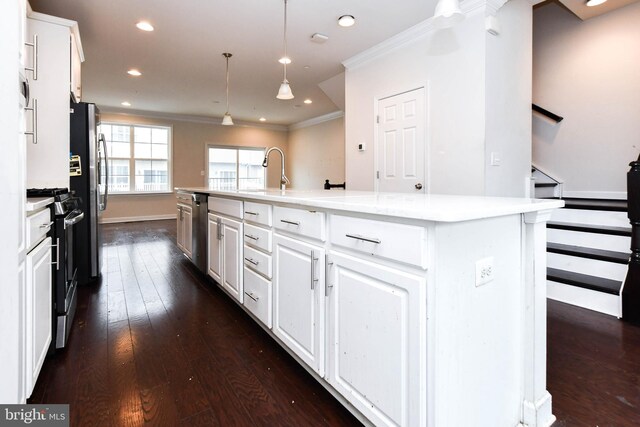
(286,221)
(252,261)
(252,213)
(252,237)
(180,209)
(34,57)
(34,120)
(313,270)
(364,239)
(57,246)
(219,221)
(253,297)
(327,266)
(46,225)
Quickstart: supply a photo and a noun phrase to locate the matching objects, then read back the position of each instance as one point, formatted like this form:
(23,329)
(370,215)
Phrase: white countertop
(36,203)
(429,207)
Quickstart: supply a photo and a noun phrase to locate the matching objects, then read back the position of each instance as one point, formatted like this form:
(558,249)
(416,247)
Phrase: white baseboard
(586,298)
(137,218)
(615,195)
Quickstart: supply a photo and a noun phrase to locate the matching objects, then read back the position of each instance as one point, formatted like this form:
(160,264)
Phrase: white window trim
(132,159)
(231,147)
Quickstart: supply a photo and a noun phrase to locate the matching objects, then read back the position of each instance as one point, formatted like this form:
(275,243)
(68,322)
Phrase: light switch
(495,159)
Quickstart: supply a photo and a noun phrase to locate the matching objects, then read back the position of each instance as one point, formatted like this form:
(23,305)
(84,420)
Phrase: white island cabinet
(412,310)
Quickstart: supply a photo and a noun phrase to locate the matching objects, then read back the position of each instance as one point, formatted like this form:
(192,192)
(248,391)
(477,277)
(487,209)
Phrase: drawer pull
(365,239)
(46,225)
(252,213)
(252,237)
(286,221)
(252,261)
(253,297)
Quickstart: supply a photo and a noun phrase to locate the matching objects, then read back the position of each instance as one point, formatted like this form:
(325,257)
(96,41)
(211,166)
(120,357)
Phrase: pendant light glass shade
(285,90)
(226,120)
(447,14)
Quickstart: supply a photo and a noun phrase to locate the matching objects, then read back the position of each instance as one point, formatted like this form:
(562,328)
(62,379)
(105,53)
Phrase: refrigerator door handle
(106,171)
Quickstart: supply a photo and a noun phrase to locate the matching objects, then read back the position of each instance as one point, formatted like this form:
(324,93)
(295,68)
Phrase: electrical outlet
(484,271)
(201,173)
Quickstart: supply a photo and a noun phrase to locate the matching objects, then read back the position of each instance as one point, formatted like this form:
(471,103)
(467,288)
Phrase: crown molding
(416,32)
(317,120)
(189,118)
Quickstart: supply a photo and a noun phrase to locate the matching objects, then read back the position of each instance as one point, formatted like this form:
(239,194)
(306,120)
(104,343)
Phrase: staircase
(588,253)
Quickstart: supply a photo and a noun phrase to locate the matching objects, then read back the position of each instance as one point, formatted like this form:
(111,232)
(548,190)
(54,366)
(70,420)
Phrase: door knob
(418,186)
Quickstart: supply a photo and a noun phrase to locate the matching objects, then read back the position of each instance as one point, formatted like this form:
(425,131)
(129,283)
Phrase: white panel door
(214,249)
(298,299)
(39,307)
(186,223)
(377,340)
(232,262)
(401,143)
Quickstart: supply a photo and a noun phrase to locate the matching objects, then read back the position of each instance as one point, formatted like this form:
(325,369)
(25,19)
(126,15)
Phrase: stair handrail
(547,113)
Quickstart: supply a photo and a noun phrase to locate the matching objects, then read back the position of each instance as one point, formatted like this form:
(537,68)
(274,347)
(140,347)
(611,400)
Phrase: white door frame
(427,133)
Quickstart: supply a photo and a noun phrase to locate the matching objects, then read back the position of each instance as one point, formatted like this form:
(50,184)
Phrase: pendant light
(447,13)
(226,120)
(285,89)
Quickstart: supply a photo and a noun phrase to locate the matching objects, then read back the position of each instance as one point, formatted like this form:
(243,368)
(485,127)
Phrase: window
(139,157)
(235,168)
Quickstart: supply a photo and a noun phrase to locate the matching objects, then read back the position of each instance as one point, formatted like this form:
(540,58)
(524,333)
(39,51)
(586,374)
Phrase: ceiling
(182,63)
(584,12)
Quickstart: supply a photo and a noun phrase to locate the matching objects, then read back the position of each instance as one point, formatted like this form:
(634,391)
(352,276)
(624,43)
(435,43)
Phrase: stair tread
(583,252)
(596,204)
(585,281)
(588,228)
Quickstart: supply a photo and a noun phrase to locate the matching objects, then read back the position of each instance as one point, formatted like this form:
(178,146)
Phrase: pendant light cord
(285,41)
(227,56)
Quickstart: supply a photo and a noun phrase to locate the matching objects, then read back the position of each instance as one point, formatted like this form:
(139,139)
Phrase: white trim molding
(317,120)
(137,218)
(415,33)
(187,118)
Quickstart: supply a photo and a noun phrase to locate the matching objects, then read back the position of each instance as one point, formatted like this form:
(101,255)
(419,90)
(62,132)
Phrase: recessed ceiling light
(346,20)
(126,103)
(306,67)
(262,119)
(134,72)
(308,101)
(144,26)
(591,3)
(285,60)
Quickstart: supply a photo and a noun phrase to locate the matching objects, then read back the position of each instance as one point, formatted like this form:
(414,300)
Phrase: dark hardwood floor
(155,342)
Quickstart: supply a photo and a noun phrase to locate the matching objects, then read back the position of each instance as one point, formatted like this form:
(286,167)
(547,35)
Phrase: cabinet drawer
(226,206)
(257,296)
(399,242)
(258,261)
(300,221)
(38,225)
(258,213)
(257,237)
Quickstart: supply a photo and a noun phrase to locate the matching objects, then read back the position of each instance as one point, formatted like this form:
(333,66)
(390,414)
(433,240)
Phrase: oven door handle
(76,219)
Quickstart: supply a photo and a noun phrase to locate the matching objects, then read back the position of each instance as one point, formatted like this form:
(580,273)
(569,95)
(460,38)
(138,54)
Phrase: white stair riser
(589,240)
(592,267)
(586,298)
(544,192)
(580,216)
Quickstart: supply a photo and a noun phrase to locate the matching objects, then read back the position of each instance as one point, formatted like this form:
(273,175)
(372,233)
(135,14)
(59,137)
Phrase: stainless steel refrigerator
(90,184)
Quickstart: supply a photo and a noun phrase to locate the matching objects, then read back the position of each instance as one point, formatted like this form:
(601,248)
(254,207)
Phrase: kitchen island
(413,310)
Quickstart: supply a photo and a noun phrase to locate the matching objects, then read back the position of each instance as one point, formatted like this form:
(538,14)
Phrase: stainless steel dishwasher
(199,230)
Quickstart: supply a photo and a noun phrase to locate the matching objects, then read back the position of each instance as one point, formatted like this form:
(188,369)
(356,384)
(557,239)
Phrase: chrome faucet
(283,178)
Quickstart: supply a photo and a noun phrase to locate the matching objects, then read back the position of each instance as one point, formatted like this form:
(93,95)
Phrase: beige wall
(188,147)
(316,153)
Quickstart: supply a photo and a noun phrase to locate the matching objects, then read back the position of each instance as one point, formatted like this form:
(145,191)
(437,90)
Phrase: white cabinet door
(186,222)
(298,299)
(39,306)
(232,262)
(377,340)
(214,249)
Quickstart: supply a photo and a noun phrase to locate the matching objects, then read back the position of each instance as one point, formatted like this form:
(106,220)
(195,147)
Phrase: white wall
(588,72)
(477,101)
(316,153)
(11,195)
